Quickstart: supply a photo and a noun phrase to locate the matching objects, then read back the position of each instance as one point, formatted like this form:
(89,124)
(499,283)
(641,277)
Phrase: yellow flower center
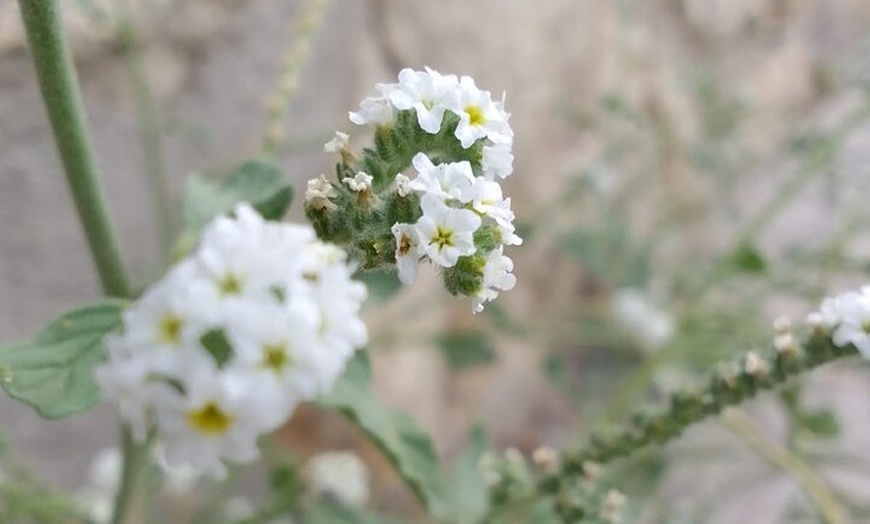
(230,284)
(275,357)
(169,329)
(443,237)
(210,419)
(475,115)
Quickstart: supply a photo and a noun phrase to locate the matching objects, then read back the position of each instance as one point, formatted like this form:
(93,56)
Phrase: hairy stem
(731,385)
(60,92)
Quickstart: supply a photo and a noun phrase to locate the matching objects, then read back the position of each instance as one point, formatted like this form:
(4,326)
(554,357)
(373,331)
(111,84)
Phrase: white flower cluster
(847,316)
(260,317)
(455,203)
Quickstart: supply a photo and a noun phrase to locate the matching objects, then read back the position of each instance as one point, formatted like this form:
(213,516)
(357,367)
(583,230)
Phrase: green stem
(132,455)
(60,92)
(730,386)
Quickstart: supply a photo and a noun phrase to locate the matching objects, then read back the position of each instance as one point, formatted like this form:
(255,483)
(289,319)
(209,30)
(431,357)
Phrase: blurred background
(686,171)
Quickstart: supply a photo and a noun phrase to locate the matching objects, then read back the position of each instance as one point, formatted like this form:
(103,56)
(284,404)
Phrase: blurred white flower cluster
(339,476)
(847,316)
(650,325)
(456,204)
(261,316)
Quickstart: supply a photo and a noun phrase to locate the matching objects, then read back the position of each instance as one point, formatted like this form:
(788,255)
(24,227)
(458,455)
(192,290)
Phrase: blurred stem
(149,126)
(278,102)
(824,500)
(132,458)
(60,92)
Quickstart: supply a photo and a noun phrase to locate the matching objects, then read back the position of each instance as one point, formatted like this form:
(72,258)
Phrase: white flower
(373,110)
(407,251)
(105,470)
(497,161)
(853,311)
(446,233)
(428,93)
(339,476)
(359,183)
(217,417)
(479,116)
(449,181)
(338,143)
(497,277)
(403,185)
(259,317)
(651,325)
(319,194)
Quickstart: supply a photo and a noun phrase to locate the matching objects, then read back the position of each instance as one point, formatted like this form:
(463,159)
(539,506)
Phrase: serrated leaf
(256,181)
(465,487)
(398,436)
(466,348)
(53,371)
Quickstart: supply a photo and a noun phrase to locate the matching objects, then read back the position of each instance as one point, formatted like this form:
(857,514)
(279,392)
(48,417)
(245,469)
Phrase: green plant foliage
(336,514)
(819,423)
(53,371)
(465,486)
(382,285)
(466,348)
(748,259)
(405,444)
(256,181)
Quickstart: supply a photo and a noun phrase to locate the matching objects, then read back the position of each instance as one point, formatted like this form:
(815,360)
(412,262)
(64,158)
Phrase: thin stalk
(825,502)
(60,92)
(278,103)
(149,126)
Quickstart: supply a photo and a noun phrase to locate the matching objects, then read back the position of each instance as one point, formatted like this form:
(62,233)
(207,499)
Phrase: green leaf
(748,259)
(335,514)
(465,487)
(256,181)
(399,437)
(821,423)
(382,285)
(53,371)
(466,348)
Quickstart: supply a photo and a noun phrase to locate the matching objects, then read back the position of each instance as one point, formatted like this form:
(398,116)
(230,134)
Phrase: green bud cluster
(361,222)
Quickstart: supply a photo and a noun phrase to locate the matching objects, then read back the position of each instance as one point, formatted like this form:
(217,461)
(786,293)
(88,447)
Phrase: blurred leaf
(821,423)
(748,259)
(257,182)
(335,514)
(466,348)
(382,285)
(404,443)
(53,371)
(465,487)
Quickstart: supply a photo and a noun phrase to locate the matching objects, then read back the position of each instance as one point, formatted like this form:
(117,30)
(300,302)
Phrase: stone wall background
(212,62)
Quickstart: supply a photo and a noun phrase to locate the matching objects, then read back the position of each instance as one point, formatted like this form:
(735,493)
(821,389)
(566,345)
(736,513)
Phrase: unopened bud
(546,459)
(754,365)
(782,324)
(612,506)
